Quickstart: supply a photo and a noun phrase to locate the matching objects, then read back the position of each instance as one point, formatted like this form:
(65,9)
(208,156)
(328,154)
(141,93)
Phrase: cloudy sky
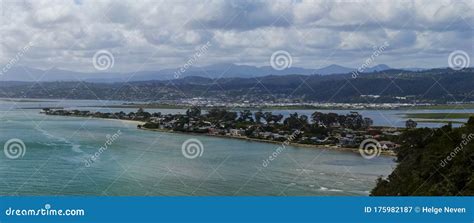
(149,35)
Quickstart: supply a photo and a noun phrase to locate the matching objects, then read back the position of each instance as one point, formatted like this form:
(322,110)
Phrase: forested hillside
(433,162)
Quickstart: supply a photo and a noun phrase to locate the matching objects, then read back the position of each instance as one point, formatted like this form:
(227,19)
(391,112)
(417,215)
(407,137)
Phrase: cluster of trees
(432,162)
(295,121)
(267,121)
(352,121)
(410,124)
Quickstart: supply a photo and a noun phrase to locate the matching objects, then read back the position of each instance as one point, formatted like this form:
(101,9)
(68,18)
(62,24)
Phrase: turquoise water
(140,162)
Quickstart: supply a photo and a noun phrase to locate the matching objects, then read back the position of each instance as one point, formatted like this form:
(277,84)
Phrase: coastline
(312,146)
(112,119)
(125,120)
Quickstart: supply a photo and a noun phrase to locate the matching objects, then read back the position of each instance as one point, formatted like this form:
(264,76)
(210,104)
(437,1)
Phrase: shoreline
(109,119)
(312,146)
(125,120)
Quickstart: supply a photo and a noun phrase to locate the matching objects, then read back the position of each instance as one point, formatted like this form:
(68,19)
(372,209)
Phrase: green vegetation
(439,121)
(24,100)
(446,106)
(432,162)
(439,115)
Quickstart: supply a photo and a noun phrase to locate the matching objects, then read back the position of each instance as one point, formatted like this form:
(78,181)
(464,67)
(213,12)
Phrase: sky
(152,35)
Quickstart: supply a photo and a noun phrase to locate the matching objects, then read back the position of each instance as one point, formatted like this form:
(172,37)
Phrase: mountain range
(427,86)
(223,70)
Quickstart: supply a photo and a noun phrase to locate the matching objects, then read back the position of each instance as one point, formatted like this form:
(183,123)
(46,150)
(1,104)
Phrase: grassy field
(439,121)
(439,115)
(446,106)
(24,100)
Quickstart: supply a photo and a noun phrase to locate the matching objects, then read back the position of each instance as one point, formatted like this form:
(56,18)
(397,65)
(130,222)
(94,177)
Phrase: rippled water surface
(140,162)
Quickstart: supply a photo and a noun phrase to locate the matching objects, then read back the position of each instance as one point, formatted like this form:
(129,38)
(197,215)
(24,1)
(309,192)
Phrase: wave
(74,147)
(305,170)
(77,148)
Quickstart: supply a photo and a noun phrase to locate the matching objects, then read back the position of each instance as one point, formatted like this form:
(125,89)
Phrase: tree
(292,121)
(470,122)
(143,113)
(258,116)
(410,124)
(367,123)
(317,118)
(246,116)
(194,111)
(277,118)
(296,122)
(230,116)
(432,162)
(268,116)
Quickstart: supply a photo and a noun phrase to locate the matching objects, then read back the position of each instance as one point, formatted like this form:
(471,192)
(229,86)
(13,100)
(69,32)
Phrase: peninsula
(321,130)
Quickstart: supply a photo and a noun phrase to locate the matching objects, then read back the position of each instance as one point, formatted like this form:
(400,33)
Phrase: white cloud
(164,33)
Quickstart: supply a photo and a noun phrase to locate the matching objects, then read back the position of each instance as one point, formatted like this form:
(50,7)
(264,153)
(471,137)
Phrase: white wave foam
(74,147)
(305,170)
(77,148)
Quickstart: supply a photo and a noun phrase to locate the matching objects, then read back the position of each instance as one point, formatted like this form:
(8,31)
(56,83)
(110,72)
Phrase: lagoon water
(146,163)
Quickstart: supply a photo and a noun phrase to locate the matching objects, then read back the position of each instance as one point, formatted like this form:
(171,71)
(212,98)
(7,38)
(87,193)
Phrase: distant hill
(435,85)
(224,70)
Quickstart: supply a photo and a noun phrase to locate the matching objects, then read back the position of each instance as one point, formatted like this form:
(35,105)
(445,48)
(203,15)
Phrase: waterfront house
(388,145)
(236,132)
